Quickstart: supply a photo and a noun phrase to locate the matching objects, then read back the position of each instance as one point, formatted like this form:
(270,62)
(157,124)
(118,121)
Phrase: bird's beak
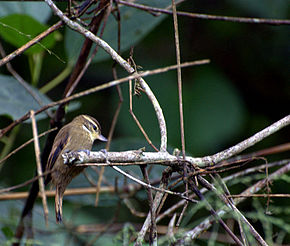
(102,138)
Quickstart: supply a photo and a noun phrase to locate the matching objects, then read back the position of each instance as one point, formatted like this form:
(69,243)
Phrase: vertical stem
(39,169)
(179,80)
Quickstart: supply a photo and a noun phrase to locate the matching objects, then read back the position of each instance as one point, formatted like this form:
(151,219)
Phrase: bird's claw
(70,157)
(105,153)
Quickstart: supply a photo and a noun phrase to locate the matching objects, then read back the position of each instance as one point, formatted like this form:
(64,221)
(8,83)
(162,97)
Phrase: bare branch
(51,193)
(152,187)
(236,149)
(163,158)
(156,203)
(276,22)
(179,80)
(30,43)
(99,88)
(22,81)
(237,212)
(39,169)
(226,179)
(25,144)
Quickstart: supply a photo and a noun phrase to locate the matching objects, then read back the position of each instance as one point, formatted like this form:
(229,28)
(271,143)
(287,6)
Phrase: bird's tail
(58,204)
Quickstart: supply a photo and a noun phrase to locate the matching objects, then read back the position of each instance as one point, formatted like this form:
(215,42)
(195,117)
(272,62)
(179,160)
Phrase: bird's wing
(59,144)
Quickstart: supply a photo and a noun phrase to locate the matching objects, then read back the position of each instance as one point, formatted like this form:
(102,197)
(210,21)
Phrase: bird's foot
(105,153)
(72,157)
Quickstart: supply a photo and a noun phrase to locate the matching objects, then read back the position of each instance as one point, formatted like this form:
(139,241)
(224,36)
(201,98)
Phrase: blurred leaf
(135,24)
(264,8)
(285,178)
(15,101)
(7,231)
(54,234)
(123,236)
(214,112)
(38,10)
(19,29)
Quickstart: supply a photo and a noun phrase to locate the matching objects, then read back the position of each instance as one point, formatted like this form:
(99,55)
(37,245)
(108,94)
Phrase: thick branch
(236,149)
(163,158)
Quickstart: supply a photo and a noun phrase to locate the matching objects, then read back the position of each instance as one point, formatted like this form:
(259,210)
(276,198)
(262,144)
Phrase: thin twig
(170,232)
(191,235)
(214,213)
(179,80)
(75,79)
(22,81)
(32,42)
(226,179)
(237,212)
(99,88)
(229,200)
(51,193)
(153,230)
(110,135)
(156,203)
(238,148)
(261,195)
(25,144)
(132,209)
(39,169)
(209,17)
(136,119)
(185,181)
(22,195)
(148,186)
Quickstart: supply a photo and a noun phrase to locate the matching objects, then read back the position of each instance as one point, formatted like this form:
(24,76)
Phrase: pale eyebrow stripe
(94,122)
(87,130)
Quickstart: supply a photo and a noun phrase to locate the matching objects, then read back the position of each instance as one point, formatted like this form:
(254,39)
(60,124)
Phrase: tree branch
(275,22)
(133,157)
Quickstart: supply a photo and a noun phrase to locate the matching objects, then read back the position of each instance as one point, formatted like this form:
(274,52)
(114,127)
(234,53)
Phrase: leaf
(214,112)
(15,101)
(264,9)
(7,231)
(18,29)
(135,24)
(38,10)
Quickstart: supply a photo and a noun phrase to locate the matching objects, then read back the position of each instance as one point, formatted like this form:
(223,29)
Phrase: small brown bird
(79,134)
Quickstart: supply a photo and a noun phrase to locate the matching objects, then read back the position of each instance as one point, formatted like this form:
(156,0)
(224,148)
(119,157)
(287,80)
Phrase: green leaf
(19,29)
(135,24)
(38,10)
(15,101)
(7,231)
(264,8)
(214,112)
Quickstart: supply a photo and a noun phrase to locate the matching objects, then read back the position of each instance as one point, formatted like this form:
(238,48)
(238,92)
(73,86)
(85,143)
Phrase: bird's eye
(95,128)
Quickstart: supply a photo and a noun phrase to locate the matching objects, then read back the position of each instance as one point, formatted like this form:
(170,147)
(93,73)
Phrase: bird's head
(90,125)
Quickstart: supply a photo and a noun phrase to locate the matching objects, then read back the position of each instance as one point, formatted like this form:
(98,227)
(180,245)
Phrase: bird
(79,134)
